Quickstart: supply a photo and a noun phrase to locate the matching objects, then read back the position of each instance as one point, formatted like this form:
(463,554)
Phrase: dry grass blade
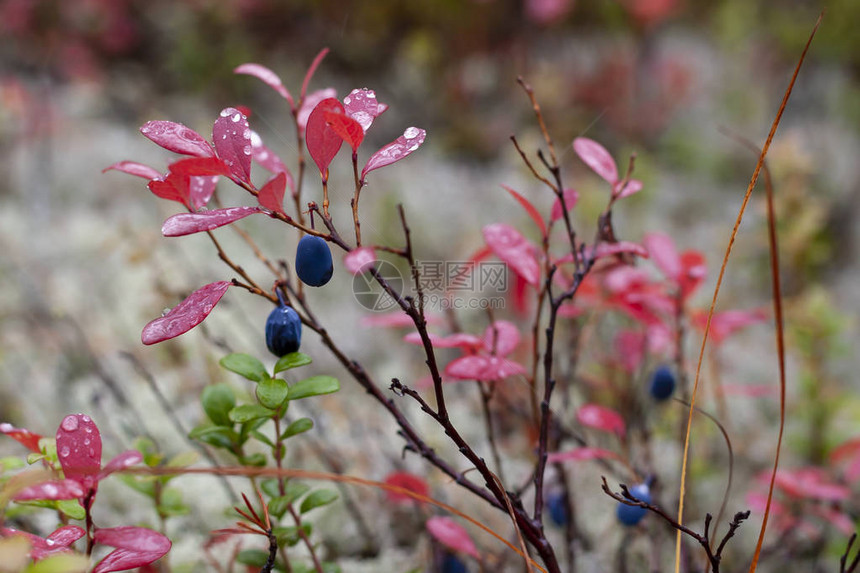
(734,233)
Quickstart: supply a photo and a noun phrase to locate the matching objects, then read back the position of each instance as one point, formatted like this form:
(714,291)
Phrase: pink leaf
(510,246)
(199,166)
(200,190)
(810,483)
(359,260)
(726,323)
(311,70)
(186,315)
(571,196)
(406,481)
(268,77)
(501,338)
(346,128)
(452,535)
(271,196)
(232,137)
(58,542)
(121,462)
(269,160)
(468,342)
(323,142)
(595,156)
(411,140)
(663,253)
(630,348)
(633,186)
(582,454)
(483,368)
(24,437)
(55,489)
(601,418)
(693,272)
(177,138)
(362,106)
(609,249)
(79,448)
(134,168)
(136,547)
(173,188)
(188,223)
(845,451)
(309,103)
(530,209)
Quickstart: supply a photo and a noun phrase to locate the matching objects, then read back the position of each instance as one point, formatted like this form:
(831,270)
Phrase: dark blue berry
(662,383)
(557,508)
(313,261)
(632,514)
(453,564)
(283,331)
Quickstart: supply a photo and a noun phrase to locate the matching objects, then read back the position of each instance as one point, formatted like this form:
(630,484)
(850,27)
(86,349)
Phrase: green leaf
(278,506)
(248,412)
(33,457)
(217,436)
(299,426)
(253,557)
(171,502)
(72,508)
(218,400)
(270,487)
(256,460)
(318,498)
(183,459)
(244,365)
(295,490)
(142,484)
(65,563)
(271,392)
(314,386)
(260,436)
(292,360)
(289,536)
(12,463)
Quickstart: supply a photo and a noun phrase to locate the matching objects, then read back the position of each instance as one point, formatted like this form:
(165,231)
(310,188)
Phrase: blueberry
(313,261)
(662,383)
(453,564)
(632,514)
(557,508)
(283,331)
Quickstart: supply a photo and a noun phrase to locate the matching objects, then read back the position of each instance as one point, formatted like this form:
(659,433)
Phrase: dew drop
(50,490)
(6,427)
(165,312)
(411,132)
(224,113)
(246,150)
(64,452)
(246,134)
(88,430)
(87,442)
(236,117)
(86,419)
(91,452)
(70,423)
(49,542)
(347,100)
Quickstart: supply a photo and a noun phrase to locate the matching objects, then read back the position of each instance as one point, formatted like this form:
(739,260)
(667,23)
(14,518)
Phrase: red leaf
(509,245)
(609,249)
(595,156)
(311,70)
(663,253)
(173,188)
(452,535)
(232,138)
(55,489)
(134,168)
(271,196)
(810,483)
(632,186)
(726,323)
(601,418)
(359,260)
(189,223)
(186,315)
(571,196)
(24,437)
(693,272)
(177,138)
(200,190)
(57,542)
(630,348)
(411,140)
(323,142)
(530,209)
(268,77)
(269,160)
(483,368)
(346,128)
(468,342)
(407,481)
(120,462)
(200,166)
(136,547)
(79,448)
(581,454)
(501,338)
(309,103)
(362,106)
